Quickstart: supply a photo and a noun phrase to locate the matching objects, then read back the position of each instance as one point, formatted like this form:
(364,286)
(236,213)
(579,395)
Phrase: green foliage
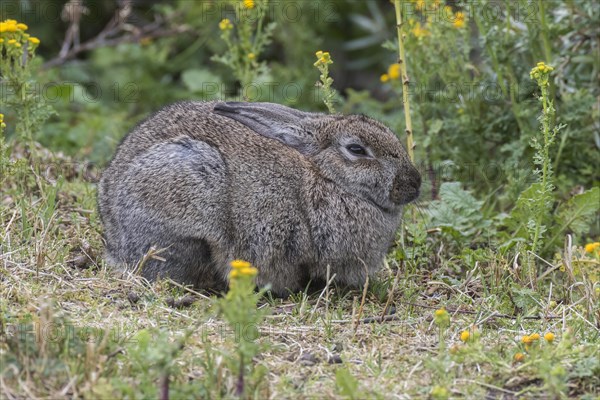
(244,49)
(347,384)
(459,214)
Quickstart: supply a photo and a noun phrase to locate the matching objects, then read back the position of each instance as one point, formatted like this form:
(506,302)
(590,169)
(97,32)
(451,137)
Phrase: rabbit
(291,192)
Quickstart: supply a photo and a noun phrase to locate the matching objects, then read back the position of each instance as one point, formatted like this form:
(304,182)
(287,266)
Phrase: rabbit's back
(205,190)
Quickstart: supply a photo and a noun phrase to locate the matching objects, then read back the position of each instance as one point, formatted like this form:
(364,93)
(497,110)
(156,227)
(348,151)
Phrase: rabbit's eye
(357,149)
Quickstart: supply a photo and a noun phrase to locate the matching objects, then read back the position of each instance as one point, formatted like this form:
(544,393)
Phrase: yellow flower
(250,271)
(323,58)
(526,339)
(240,264)
(225,24)
(441,318)
(251,56)
(1,41)
(519,357)
(394,71)
(549,337)
(420,5)
(459,20)
(234,274)
(418,31)
(441,312)
(22,27)
(590,247)
(540,71)
(34,40)
(10,25)
(249,4)
(534,336)
(384,78)
(464,336)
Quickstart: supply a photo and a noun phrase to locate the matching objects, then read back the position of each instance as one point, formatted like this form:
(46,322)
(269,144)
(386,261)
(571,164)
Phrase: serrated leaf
(577,214)
(458,212)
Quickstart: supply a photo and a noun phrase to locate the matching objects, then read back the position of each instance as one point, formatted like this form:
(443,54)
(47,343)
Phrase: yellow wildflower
(225,24)
(540,71)
(240,264)
(323,58)
(10,25)
(526,339)
(384,78)
(459,20)
(2,124)
(464,336)
(519,357)
(251,56)
(590,247)
(441,312)
(534,336)
(34,40)
(441,317)
(1,41)
(394,72)
(418,31)
(549,337)
(250,271)
(22,27)
(249,4)
(234,274)
(420,5)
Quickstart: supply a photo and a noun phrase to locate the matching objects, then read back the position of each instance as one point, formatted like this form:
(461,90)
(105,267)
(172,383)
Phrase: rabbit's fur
(209,182)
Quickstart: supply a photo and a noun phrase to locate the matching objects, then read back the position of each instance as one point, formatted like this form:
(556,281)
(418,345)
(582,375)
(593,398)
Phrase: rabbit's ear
(273,121)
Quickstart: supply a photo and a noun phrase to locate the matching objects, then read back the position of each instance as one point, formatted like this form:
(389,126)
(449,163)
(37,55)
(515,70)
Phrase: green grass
(71,327)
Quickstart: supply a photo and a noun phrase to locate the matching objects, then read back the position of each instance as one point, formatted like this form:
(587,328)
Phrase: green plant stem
(545,162)
(405,82)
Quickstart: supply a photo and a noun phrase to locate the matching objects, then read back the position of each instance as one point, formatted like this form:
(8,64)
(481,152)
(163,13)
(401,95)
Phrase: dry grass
(72,328)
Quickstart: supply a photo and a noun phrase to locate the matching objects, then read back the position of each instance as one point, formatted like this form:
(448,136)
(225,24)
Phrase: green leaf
(458,212)
(346,383)
(577,214)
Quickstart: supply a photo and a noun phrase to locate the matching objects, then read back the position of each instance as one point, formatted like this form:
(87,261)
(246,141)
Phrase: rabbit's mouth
(389,208)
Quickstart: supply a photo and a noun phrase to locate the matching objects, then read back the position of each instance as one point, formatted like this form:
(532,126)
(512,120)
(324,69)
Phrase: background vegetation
(503,243)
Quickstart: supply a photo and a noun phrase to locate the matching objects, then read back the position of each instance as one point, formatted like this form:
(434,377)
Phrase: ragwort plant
(245,38)
(239,308)
(328,93)
(17,51)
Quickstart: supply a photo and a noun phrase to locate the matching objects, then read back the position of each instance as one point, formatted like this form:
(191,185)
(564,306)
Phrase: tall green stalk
(405,82)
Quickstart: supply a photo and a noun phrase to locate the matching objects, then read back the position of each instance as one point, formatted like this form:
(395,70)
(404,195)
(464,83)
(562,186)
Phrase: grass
(71,327)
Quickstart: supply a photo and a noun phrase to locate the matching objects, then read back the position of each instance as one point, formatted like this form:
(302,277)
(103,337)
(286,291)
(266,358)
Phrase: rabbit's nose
(406,186)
